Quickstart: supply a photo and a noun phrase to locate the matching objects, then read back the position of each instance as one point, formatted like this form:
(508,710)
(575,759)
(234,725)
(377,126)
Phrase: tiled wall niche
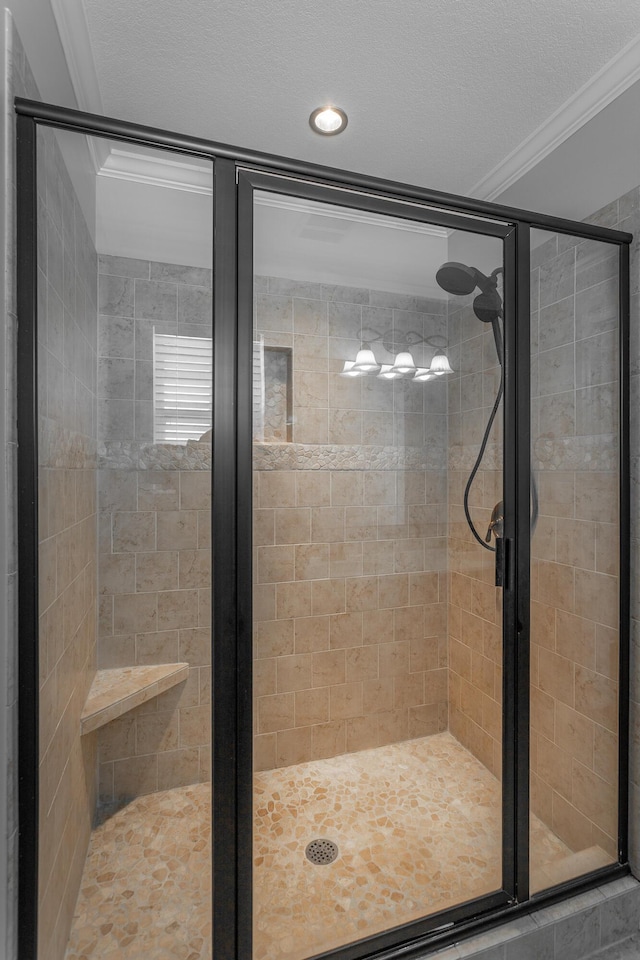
(349,534)
(154,532)
(574,582)
(67,341)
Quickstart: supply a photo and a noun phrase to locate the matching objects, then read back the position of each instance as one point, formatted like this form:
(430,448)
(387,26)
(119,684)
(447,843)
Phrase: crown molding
(157,171)
(71,20)
(296,205)
(609,82)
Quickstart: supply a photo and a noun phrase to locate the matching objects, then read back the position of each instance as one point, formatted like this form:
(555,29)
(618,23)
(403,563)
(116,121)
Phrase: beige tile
(408,623)
(264,601)
(345,559)
(177,768)
(575,638)
(394,658)
(555,676)
(293,746)
(177,609)
(328,668)
(328,739)
(361,523)
(195,489)
(135,776)
(312,706)
(345,630)
(294,673)
(116,572)
(293,599)
(293,525)
(327,597)
(135,613)
(155,571)
(158,647)
(312,488)
(156,732)
(311,561)
(327,524)
(596,697)
(597,597)
(264,751)
(346,488)
(361,594)
(277,488)
(275,564)
(311,634)
(393,591)
(605,754)
(378,558)
(361,734)
(133,532)
(195,568)
(264,527)
(595,798)
(195,646)
(177,530)
(362,663)
(275,638)
(574,734)
(158,490)
(377,626)
(276,713)
(311,425)
(345,700)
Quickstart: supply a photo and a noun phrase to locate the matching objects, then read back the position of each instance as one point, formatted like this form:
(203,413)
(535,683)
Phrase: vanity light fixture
(328,121)
(440,364)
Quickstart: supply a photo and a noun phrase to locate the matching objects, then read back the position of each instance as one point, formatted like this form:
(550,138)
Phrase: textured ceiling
(438,93)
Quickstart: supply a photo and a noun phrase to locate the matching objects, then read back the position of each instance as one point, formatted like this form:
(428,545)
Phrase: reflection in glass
(574,566)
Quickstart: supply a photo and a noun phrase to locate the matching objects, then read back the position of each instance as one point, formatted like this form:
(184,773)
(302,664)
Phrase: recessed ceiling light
(328,121)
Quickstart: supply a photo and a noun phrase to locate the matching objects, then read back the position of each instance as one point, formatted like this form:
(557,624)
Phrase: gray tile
(115,420)
(557,278)
(116,296)
(274,313)
(115,336)
(345,320)
(281,287)
(620,916)
(556,370)
(155,300)
(578,935)
(597,359)
(597,410)
(597,309)
(536,945)
(332,291)
(201,276)
(556,324)
(115,378)
(195,305)
(123,267)
(144,380)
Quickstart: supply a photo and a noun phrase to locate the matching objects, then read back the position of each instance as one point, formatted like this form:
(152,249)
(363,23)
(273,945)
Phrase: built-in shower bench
(117,690)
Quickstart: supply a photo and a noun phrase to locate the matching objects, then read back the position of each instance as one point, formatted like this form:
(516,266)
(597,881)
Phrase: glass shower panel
(574,556)
(124,360)
(377,622)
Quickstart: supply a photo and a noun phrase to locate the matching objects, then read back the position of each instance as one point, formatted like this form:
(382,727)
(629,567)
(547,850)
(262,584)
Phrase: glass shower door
(377,443)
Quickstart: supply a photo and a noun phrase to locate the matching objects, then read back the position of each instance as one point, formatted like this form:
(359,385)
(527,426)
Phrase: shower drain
(321,851)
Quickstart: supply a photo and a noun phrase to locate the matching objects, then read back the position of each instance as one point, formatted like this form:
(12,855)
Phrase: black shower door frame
(237,173)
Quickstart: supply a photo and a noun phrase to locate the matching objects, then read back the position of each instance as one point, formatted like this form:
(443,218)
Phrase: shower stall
(324,553)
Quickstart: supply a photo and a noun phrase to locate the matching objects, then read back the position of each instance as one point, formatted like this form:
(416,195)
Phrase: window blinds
(182,387)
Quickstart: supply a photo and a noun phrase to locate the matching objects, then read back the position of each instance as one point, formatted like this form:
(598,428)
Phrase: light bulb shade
(348,371)
(440,364)
(422,374)
(365,361)
(388,373)
(403,363)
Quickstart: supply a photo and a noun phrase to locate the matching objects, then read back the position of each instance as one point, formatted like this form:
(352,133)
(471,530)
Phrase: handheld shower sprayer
(460,280)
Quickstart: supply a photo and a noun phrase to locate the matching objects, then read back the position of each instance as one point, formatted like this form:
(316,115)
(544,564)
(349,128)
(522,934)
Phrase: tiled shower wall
(350,525)
(154,532)
(475,603)
(574,573)
(67,341)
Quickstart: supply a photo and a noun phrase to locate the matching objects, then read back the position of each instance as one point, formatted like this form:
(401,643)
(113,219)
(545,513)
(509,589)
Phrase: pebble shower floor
(417,825)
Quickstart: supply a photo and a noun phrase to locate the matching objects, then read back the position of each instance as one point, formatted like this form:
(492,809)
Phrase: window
(182,387)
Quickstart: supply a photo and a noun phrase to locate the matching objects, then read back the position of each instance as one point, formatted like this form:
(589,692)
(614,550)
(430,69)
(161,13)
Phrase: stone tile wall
(349,533)
(16,79)
(574,570)
(67,343)
(154,532)
(475,603)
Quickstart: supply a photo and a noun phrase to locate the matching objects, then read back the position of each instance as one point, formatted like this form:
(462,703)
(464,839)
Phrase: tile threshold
(117,690)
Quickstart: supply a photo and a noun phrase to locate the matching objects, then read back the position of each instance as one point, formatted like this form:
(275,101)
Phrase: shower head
(457,278)
(461,280)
